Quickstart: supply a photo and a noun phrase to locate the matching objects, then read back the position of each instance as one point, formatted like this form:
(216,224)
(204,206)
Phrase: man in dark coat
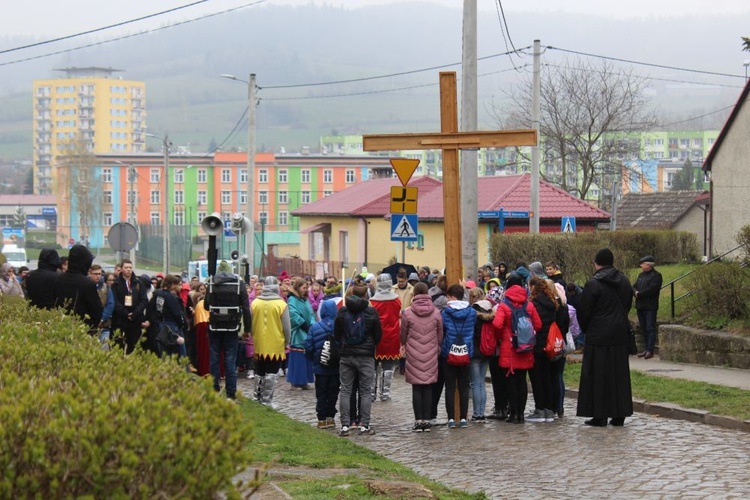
(75,292)
(130,306)
(646,289)
(605,374)
(40,283)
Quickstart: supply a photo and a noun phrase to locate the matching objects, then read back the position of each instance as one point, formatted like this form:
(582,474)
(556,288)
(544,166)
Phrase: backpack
(522,331)
(354,328)
(329,354)
(487,340)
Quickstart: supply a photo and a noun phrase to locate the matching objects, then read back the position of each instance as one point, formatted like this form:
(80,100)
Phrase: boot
(269,384)
(385,385)
(511,418)
(258,389)
(520,419)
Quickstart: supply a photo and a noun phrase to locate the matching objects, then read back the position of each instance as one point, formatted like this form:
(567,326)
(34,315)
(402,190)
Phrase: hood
(609,275)
(458,304)
(492,280)
(516,294)
(537,269)
(384,289)
(145,280)
(458,315)
(270,289)
(225,278)
(356,304)
(49,259)
(328,311)
(523,273)
(4,270)
(422,305)
(79,260)
(484,310)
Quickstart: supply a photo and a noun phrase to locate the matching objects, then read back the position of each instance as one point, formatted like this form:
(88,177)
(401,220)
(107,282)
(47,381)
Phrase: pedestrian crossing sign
(568,225)
(404,227)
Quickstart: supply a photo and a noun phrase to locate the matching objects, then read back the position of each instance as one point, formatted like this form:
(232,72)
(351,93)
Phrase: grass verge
(719,400)
(351,471)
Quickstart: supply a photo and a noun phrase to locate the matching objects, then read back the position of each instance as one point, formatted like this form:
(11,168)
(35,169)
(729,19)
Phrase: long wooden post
(451,187)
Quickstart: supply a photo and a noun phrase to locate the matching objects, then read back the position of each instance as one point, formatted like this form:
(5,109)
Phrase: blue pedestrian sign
(404,227)
(568,225)
(228,233)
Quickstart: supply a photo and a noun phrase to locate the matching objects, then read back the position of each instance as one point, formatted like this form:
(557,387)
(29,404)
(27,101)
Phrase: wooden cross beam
(450,141)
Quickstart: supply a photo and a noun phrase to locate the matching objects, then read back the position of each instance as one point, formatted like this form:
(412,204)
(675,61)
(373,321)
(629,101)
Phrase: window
(305,198)
(106,175)
(658,142)
(263,197)
(226,197)
(201,216)
(179,218)
(283,197)
(243,197)
(243,175)
(226,175)
(179,197)
(155,219)
(283,177)
(107,218)
(327,193)
(263,217)
(107,197)
(283,218)
(155,175)
(227,216)
(155,197)
(349,176)
(263,176)
(419,244)
(178,175)
(202,199)
(305,177)
(327,176)
(202,175)
(697,143)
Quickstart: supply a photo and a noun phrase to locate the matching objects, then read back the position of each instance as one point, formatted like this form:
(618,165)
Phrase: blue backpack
(522,331)
(354,328)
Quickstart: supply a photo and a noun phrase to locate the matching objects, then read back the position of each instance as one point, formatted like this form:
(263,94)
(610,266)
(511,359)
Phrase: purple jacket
(422,333)
(315,300)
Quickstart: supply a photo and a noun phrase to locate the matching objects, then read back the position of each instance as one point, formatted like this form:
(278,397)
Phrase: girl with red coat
(422,334)
(517,364)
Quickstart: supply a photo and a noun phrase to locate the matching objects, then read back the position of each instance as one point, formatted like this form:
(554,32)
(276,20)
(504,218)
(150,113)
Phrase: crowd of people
(348,339)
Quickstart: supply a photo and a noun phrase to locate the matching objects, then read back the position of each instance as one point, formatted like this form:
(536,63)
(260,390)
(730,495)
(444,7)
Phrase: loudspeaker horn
(240,223)
(212,225)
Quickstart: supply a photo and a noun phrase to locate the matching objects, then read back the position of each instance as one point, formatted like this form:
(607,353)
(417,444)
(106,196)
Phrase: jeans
(226,343)
(478,369)
(364,367)
(326,395)
(647,320)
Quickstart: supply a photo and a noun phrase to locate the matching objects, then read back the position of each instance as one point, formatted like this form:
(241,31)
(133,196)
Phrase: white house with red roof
(353,225)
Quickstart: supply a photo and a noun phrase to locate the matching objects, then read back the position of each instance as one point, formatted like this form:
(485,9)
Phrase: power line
(231,134)
(630,61)
(145,32)
(499,5)
(379,77)
(116,25)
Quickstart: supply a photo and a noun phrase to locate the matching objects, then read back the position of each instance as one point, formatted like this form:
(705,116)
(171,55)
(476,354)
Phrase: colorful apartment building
(89,109)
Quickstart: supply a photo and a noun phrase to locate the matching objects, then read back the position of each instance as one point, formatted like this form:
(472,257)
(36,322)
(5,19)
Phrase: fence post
(671,289)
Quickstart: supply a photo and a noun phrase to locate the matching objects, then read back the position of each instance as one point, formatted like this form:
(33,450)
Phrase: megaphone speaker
(212,225)
(235,255)
(240,223)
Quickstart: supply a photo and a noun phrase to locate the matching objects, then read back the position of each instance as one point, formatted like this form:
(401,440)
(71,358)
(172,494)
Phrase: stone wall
(703,347)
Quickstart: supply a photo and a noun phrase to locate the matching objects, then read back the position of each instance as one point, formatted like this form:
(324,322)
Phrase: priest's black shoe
(617,421)
(596,422)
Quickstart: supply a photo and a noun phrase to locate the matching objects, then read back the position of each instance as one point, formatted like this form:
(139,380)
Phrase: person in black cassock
(604,390)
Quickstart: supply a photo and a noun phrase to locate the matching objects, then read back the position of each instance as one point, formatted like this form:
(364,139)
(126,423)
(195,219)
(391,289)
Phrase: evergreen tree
(212,146)
(684,179)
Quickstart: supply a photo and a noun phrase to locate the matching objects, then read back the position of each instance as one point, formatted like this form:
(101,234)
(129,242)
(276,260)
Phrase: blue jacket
(458,318)
(317,335)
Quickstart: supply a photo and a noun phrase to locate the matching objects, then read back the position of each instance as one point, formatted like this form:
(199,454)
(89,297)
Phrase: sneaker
(251,374)
(365,429)
(433,421)
(560,413)
(191,368)
(418,427)
(427,426)
(463,424)
(549,416)
(535,416)
(344,431)
(385,398)
(451,424)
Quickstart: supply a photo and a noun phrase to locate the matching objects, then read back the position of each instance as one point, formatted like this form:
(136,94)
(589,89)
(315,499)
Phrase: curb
(676,412)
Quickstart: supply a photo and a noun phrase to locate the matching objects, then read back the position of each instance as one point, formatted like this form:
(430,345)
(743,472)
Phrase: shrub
(722,293)
(78,420)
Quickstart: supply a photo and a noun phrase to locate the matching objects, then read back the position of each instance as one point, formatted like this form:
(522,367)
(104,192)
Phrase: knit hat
(604,257)
(224,267)
(647,259)
(537,269)
(413,277)
(495,295)
(471,284)
(283,276)
(515,279)
(369,278)
(364,272)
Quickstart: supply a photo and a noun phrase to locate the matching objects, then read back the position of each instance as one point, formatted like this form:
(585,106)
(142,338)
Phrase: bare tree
(79,184)
(592,115)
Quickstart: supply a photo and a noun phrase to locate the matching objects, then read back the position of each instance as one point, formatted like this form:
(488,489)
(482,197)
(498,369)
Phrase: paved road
(650,457)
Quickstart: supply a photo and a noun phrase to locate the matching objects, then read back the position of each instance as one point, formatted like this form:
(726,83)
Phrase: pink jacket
(315,300)
(421,334)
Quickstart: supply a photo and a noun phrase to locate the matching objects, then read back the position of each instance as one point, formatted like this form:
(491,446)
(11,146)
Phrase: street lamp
(131,198)
(251,105)
(746,64)
(166,145)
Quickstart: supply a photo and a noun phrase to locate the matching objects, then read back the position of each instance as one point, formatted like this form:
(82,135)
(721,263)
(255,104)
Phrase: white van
(15,256)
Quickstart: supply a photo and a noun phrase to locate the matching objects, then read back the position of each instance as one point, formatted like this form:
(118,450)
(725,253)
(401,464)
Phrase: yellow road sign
(404,168)
(403,200)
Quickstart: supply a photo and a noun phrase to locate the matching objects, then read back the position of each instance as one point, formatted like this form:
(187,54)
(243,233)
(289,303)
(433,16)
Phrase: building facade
(89,109)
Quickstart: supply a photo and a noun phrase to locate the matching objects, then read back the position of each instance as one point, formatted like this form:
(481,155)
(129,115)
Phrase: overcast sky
(44,18)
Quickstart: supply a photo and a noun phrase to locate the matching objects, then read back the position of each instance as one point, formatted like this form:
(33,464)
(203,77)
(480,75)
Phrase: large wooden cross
(450,141)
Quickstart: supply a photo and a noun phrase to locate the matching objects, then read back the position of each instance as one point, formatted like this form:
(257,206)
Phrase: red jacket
(389,311)
(509,358)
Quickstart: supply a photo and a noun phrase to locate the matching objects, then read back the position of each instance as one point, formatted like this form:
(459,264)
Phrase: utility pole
(535,117)
(469,163)
(166,226)
(251,116)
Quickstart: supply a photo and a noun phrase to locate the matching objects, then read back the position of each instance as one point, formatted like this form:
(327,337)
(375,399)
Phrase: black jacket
(40,283)
(75,292)
(648,286)
(166,306)
(139,302)
(223,292)
(604,321)
(373,328)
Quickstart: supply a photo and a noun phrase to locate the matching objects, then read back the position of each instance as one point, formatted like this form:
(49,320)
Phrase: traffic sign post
(404,168)
(403,200)
(404,227)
